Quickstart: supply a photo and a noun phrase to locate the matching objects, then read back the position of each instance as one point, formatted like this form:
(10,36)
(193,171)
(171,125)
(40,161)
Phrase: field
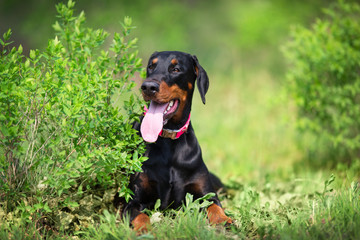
(277,187)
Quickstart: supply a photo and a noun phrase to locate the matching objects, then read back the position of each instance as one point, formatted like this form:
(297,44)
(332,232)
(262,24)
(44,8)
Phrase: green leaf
(157,204)
(32,54)
(7,35)
(73,204)
(4,131)
(27,63)
(20,49)
(127,21)
(67,111)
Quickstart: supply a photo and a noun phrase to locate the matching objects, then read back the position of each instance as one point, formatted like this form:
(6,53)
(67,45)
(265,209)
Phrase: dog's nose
(150,88)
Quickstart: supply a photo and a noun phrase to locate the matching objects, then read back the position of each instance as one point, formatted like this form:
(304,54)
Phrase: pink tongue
(153,122)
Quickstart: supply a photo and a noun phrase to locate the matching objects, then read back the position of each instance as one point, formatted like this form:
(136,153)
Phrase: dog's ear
(202,79)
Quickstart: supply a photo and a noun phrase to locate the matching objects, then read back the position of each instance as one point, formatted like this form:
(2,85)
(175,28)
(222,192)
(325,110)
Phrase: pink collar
(173,134)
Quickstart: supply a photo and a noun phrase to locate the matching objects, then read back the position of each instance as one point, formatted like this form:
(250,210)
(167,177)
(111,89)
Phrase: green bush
(325,81)
(65,127)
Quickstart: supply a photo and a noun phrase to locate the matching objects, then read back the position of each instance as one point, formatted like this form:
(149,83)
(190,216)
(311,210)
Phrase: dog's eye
(151,67)
(176,70)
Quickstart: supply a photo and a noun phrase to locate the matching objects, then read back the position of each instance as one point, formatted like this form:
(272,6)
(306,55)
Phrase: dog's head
(169,87)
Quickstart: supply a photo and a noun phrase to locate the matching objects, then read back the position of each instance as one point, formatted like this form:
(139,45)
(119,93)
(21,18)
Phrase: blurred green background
(246,128)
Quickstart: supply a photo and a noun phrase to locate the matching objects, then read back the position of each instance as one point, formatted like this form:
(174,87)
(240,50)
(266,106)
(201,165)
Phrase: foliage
(302,208)
(334,217)
(324,78)
(188,222)
(63,132)
(294,208)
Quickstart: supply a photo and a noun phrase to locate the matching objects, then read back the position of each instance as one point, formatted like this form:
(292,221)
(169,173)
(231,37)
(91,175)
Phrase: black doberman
(175,165)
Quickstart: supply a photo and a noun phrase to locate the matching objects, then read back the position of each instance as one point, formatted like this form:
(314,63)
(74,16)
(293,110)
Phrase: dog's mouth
(171,109)
(156,117)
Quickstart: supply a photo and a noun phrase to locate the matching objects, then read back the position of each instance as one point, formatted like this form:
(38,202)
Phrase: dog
(175,165)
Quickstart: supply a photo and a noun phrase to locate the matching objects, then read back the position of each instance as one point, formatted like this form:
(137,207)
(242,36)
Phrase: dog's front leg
(144,197)
(203,186)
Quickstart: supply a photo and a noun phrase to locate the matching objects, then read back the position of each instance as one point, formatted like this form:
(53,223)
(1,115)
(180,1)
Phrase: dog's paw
(216,215)
(141,223)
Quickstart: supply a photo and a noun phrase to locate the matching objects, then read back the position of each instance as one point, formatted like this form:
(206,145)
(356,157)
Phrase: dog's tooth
(170,105)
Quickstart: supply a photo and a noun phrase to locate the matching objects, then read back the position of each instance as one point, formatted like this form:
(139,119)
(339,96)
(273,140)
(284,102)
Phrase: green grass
(296,209)
(316,206)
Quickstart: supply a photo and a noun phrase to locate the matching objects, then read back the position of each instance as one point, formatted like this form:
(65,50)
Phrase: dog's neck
(175,134)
